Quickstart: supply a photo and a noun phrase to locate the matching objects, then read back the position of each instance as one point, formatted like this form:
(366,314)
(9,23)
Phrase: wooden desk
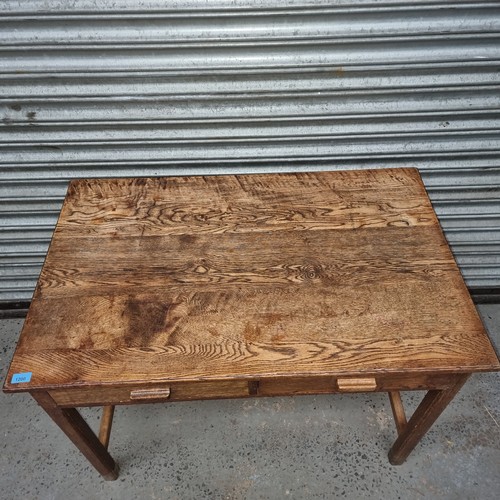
(187,288)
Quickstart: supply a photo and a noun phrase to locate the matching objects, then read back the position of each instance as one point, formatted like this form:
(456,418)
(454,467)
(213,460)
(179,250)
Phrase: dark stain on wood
(187,240)
(146,320)
(251,332)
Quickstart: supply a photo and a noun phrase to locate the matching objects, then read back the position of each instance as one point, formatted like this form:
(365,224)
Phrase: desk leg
(75,427)
(433,404)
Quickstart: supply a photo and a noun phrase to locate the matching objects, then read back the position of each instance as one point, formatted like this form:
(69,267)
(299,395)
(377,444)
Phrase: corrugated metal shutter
(148,87)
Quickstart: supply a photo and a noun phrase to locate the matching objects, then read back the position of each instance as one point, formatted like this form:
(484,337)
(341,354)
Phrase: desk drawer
(290,386)
(150,393)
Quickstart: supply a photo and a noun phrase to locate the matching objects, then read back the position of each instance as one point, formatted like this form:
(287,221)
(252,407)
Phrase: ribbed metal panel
(148,87)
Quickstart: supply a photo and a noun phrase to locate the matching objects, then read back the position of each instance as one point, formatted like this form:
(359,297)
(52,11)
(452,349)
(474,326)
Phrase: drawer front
(327,385)
(150,393)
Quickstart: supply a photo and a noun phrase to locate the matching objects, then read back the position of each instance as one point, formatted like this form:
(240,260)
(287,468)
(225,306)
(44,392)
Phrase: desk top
(244,276)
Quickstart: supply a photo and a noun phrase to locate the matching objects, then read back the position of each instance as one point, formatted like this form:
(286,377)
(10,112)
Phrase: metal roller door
(148,87)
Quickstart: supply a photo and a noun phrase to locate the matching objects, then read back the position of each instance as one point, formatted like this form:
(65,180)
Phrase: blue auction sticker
(19,378)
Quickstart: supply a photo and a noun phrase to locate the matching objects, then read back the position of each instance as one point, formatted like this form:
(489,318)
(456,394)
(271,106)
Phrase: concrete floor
(303,447)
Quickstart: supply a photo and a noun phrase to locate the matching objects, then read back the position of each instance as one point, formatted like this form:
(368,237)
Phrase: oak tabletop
(243,276)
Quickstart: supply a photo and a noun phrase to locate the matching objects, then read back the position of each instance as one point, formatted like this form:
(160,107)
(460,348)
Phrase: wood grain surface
(235,277)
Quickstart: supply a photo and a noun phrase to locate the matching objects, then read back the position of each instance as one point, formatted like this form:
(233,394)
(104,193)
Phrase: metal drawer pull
(150,393)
